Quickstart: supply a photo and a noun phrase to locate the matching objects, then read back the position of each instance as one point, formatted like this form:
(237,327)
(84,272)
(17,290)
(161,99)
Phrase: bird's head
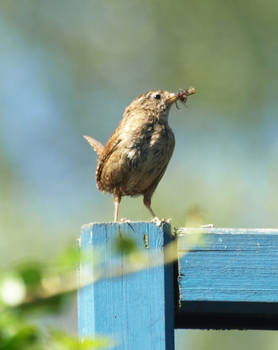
(158,102)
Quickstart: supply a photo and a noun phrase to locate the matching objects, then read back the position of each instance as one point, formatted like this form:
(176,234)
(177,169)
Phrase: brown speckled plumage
(136,156)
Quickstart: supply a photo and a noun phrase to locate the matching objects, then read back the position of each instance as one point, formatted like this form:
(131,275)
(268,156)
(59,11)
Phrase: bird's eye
(157,96)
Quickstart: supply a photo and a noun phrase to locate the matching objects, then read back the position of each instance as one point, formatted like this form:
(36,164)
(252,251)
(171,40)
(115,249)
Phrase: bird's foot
(159,222)
(156,221)
(122,220)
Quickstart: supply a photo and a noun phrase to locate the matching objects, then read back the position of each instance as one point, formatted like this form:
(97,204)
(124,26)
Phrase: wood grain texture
(136,310)
(229,281)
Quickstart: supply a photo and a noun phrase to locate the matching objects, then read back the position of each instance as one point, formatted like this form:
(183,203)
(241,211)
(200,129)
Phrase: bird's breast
(155,139)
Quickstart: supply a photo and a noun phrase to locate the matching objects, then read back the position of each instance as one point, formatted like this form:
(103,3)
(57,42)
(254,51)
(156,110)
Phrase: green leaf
(70,259)
(16,333)
(62,341)
(23,339)
(31,273)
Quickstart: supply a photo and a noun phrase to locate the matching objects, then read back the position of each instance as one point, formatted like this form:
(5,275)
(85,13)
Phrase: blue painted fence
(226,278)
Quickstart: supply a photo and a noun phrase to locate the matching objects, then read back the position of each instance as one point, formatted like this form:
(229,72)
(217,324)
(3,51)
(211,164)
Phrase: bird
(136,156)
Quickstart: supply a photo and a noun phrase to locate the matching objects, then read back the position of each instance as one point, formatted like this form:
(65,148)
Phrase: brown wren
(136,156)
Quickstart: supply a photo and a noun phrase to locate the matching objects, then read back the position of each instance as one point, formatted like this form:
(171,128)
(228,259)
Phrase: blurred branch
(51,284)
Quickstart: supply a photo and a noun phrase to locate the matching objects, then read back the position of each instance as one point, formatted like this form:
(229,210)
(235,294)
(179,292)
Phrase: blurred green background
(70,68)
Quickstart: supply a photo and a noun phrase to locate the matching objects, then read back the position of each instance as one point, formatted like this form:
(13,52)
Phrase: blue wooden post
(230,281)
(136,310)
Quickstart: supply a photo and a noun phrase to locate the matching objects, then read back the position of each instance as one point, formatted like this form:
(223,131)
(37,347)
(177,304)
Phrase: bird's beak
(172,98)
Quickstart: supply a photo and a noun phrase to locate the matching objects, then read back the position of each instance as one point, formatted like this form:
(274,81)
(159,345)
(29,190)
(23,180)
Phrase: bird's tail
(97,146)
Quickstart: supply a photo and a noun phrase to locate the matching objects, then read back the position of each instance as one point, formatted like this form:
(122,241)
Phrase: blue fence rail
(226,279)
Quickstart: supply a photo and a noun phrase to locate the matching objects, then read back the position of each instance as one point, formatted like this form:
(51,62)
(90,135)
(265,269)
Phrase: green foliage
(69,259)
(31,273)
(18,334)
(64,342)
(34,288)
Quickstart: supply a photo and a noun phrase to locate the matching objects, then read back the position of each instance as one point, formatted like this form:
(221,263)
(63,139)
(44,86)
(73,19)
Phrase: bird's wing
(110,148)
(96,145)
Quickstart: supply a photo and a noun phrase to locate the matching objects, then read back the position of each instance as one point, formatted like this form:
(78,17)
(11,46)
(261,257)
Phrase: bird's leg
(117,199)
(147,202)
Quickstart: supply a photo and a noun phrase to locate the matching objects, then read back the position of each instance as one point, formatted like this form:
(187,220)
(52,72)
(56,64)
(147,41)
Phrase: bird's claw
(123,220)
(159,222)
